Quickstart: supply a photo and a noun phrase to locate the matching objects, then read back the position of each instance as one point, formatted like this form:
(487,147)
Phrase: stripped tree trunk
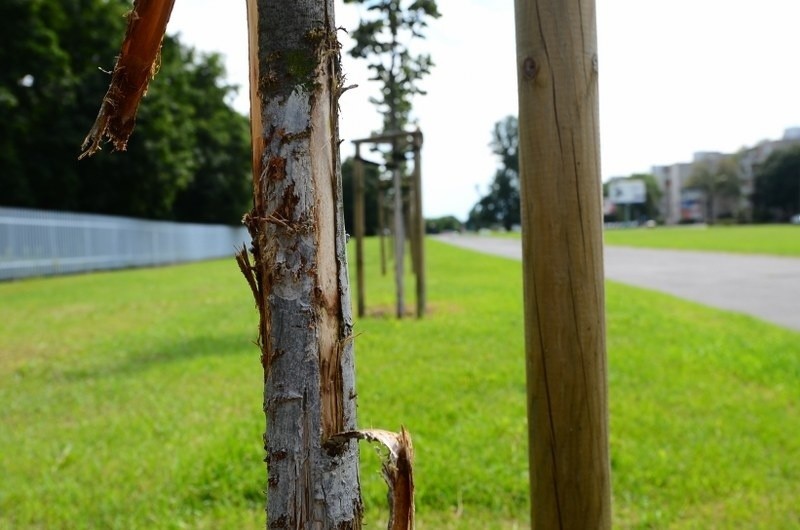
(300,270)
(563,264)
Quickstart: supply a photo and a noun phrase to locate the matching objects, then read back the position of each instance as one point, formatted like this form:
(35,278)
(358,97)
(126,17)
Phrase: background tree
(777,186)
(718,179)
(384,39)
(438,225)
(500,206)
(191,140)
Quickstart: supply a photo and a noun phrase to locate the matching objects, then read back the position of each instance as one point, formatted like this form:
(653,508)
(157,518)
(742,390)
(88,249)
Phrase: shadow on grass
(167,352)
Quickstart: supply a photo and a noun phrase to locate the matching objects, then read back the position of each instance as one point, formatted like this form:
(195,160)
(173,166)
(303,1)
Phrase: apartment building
(680,203)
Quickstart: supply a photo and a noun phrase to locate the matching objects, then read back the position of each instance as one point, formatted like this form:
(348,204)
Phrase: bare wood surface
(562,263)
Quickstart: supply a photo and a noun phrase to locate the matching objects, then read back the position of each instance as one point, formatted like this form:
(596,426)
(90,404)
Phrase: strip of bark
(398,471)
(137,64)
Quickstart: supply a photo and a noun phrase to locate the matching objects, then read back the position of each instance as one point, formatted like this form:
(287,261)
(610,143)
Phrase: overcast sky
(676,77)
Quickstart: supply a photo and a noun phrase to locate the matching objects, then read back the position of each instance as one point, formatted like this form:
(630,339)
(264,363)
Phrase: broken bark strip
(300,266)
(137,63)
(398,472)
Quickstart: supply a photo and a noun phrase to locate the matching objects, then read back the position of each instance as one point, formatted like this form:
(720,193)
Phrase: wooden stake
(563,267)
(358,225)
(419,228)
(399,243)
(382,227)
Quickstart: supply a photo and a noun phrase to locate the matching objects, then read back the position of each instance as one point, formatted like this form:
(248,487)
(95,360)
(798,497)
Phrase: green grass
(783,240)
(133,400)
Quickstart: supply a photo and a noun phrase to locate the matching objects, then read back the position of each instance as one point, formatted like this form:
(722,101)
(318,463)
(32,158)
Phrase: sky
(676,77)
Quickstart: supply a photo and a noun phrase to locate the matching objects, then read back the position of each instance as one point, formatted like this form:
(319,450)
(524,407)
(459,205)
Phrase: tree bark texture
(563,268)
(300,266)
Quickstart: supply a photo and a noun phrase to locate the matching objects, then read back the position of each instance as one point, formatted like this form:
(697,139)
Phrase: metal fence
(41,243)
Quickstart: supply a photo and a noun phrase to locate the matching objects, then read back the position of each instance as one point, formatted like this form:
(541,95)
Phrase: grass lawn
(133,400)
(781,240)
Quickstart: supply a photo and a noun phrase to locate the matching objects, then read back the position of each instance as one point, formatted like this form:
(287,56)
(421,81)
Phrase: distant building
(679,203)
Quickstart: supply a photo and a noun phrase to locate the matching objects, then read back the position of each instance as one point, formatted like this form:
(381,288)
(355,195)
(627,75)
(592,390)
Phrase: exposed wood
(563,267)
(398,472)
(137,63)
(300,266)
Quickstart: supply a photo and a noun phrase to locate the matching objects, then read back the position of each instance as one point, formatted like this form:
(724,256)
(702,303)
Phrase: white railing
(41,243)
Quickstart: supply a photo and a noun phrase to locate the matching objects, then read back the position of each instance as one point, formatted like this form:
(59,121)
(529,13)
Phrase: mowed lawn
(133,400)
(781,240)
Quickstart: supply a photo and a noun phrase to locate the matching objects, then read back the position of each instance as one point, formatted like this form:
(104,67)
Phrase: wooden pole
(399,243)
(358,225)
(419,225)
(382,227)
(563,264)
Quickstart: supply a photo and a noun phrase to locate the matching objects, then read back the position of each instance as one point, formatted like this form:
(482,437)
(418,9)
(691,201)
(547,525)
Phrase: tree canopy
(777,186)
(718,179)
(188,159)
(384,39)
(500,206)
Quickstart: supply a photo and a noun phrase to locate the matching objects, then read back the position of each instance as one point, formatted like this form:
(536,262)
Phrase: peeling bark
(137,64)
(300,267)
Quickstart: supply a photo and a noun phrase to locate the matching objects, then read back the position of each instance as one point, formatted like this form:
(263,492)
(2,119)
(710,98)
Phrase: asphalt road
(767,287)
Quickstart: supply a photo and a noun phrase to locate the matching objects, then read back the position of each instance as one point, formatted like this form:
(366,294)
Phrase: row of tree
(190,159)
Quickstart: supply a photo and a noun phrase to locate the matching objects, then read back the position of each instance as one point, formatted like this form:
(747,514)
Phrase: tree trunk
(300,266)
(563,268)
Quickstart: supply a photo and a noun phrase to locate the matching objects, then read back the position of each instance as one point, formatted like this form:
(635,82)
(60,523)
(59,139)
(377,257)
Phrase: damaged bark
(300,268)
(299,276)
(300,279)
(137,64)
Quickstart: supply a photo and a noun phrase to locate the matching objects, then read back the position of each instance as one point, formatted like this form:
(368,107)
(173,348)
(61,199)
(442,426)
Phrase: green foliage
(189,145)
(501,205)
(438,225)
(133,400)
(777,193)
(384,37)
(718,180)
(777,240)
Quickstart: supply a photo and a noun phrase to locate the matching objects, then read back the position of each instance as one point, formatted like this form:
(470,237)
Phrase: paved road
(767,287)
